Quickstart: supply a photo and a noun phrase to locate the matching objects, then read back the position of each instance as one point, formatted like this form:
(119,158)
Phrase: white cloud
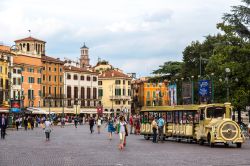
(117,30)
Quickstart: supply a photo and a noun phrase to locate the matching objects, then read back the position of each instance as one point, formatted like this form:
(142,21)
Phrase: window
(28,47)
(68,76)
(69,92)
(44,77)
(124,102)
(55,91)
(49,90)
(60,69)
(117,82)
(39,70)
(14,81)
(40,93)
(123,82)
(82,78)
(88,78)
(49,78)
(94,79)
(30,94)
(60,91)
(61,79)
(117,92)
(118,102)
(94,93)
(31,70)
(44,88)
(49,68)
(22,79)
(82,96)
(148,94)
(75,77)
(129,92)
(55,78)
(14,70)
(99,82)
(100,92)
(43,68)
(18,81)
(124,92)
(88,93)
(54,69)
(19,71)
(31,80)
(75,92)
(154,94)
(39,80)
(1,69)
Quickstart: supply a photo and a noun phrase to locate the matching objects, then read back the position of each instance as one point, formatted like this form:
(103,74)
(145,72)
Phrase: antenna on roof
(29,32)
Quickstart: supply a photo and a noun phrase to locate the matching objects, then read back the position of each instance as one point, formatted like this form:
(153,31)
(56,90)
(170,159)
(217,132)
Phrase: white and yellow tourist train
(211,123)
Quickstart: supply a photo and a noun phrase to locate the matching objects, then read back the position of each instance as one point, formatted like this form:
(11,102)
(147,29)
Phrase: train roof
(180,107)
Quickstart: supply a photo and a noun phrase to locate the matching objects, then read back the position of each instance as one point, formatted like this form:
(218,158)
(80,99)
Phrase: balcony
(120,97)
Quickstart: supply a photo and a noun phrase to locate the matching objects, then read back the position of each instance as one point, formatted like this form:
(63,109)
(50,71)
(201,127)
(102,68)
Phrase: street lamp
(227,70)
(192,87)
(212,87)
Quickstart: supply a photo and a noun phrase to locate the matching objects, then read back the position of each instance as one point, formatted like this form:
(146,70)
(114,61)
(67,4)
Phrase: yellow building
(146,93)
(114,89)
(5,71)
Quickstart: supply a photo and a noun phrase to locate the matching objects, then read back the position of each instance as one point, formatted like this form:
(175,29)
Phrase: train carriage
(210,123)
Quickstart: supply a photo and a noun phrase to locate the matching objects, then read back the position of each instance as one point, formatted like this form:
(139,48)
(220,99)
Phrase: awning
(4,110)
(37,110)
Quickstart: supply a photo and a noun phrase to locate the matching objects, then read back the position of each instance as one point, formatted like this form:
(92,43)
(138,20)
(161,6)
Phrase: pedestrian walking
(3,126)
(122,132)
(17,123)
(99,124)
(131,123)
(32,123)
(154,128)
(161,124)
(62,122)
(47,129)
(137,125)
(111,127)
(76,121)
(25,122)
(91,124)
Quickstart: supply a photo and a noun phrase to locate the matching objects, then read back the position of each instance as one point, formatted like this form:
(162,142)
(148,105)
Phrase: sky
(134,35)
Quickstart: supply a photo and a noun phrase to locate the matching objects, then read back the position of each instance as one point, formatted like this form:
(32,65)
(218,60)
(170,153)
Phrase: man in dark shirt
(91,124)
(3,125)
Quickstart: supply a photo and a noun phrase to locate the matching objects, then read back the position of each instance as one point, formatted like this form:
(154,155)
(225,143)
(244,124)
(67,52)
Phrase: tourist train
(211,123)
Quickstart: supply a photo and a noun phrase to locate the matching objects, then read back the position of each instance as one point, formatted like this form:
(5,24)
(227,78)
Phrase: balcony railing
(120,97)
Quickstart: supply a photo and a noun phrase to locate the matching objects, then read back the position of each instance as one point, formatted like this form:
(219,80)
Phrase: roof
(4,48)
(51,59)
(29,39)
(112,74)
(84,46)
(77,69)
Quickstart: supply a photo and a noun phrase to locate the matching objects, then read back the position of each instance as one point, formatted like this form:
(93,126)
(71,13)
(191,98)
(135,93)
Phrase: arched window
(21,46)
(28,47)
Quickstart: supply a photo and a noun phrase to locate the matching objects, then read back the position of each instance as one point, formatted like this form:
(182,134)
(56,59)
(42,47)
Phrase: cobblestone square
(72,146)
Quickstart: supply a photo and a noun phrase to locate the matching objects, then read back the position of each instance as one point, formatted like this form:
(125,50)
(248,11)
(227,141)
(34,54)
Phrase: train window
(202,114)
(196,117)
(169,117)
(176,116)
(180,117)
(190,117)
(184,117)
(145,117)
(215,112)
(164,115)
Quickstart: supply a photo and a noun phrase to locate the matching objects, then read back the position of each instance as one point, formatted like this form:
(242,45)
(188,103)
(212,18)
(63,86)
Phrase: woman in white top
(47,129)
(99,124)
(122,132)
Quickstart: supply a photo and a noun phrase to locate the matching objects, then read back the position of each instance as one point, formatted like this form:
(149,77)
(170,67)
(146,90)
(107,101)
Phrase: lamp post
(192,87)
(182,90)
(212,87)
(227,70)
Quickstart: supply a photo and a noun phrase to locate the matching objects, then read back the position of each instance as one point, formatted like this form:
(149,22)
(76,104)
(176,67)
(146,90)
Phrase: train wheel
(238,145)
(209,141)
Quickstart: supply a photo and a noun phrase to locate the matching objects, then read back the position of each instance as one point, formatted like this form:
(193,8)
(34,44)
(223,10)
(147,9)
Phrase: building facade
(52,82)
(146,93)
(115,91)
(81,89)
(28,59)
(6,59)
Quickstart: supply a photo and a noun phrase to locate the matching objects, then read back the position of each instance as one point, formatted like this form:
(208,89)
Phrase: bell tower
(84,60)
